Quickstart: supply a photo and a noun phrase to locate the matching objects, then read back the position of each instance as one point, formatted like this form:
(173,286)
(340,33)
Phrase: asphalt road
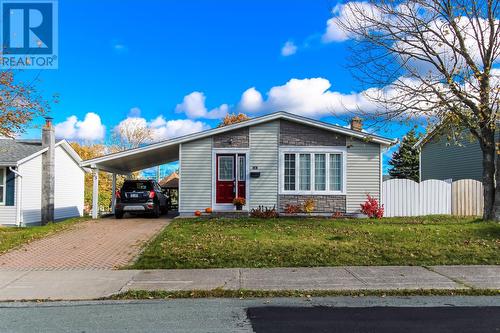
(375,319)
(336,314)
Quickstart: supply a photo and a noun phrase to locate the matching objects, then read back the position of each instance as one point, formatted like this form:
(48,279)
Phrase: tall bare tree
(131,133)
(432,60)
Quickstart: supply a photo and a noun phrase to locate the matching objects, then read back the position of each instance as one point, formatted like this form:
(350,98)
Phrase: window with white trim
(305,172)
(319,172)
(3,185)
(289,172)
(312,172)
(335,172)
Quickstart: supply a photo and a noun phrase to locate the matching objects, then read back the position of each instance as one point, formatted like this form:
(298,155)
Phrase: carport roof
(131,160)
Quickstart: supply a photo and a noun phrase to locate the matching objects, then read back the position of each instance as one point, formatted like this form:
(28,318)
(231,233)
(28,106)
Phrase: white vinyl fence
(403,197)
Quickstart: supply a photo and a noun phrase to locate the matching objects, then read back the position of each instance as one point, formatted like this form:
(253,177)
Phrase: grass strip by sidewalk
(12,237)
(221,293)
(313,242)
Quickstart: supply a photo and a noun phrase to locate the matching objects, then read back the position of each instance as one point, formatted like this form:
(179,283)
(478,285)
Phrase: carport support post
(95,193)
(113,195)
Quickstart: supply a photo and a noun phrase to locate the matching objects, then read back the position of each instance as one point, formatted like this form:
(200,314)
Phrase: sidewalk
(92,284)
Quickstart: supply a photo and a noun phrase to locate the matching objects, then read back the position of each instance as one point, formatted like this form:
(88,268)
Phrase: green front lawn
(11,237)
(288,242)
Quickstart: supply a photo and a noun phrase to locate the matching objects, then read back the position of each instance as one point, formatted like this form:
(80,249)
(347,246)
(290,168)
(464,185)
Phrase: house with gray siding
(449,159)
(275,160)
(39,179)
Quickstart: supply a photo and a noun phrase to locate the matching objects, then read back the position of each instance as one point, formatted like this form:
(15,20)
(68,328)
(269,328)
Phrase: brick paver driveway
(101,244)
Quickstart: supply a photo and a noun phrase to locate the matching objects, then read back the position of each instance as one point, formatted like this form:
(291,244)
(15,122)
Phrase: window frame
(3,170)
(294,171)
(327,151)
(242,171)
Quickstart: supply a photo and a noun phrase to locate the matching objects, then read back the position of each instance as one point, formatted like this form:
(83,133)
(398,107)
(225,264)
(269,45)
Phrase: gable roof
(435,129)
(14,151)
(139,158)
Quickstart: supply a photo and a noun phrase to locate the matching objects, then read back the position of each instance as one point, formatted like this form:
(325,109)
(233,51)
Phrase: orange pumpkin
(197,213)
(208,210)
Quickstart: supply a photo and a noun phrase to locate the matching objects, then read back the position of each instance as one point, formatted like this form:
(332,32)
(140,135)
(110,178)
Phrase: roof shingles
(12,151)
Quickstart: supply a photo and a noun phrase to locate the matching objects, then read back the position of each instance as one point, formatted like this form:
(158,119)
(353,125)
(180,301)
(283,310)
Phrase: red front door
(231,178)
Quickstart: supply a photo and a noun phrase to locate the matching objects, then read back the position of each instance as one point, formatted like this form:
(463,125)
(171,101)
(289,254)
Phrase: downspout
(19,201)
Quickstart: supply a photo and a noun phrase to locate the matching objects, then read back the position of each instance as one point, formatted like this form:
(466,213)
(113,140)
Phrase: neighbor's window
(3,180)
(289,172)
(312,172)
(305,172)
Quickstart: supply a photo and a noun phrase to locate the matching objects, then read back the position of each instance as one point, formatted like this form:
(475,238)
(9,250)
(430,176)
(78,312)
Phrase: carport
(128,161)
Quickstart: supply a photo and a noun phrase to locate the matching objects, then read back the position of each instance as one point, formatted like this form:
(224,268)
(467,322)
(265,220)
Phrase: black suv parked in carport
(140,197)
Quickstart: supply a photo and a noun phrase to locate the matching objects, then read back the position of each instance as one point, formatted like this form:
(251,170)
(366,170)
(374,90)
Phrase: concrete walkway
(92,284)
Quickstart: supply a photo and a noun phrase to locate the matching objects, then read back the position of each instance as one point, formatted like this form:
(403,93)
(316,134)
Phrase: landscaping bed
(11,237)
(309,242)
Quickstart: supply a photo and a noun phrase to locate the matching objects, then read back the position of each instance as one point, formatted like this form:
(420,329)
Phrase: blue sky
(151,56)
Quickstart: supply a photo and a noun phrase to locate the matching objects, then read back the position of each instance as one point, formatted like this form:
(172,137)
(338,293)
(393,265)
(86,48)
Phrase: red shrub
(293,209)
(264,212)
(337,215)
(372,209)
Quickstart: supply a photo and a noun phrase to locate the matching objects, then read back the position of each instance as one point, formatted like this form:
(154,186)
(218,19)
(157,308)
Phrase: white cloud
(193,105)
(288,49)
(168,129)
(162,129)
(310,97)
(251,100)
(119,47)
(88,129)
(350,12)
(134,112)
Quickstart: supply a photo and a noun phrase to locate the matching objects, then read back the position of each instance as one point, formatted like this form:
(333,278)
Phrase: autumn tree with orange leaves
(233,118)
(20,103)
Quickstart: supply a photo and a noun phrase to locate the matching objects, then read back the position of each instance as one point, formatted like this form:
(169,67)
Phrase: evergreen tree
(405,161)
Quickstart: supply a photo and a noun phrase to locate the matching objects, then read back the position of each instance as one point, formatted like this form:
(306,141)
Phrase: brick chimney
(48,171)
(357,124)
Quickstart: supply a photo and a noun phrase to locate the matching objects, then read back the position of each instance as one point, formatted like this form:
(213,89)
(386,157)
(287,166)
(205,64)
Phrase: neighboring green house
(442,158)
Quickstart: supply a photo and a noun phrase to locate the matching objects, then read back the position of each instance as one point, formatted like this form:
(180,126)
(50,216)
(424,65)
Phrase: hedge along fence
(404,197)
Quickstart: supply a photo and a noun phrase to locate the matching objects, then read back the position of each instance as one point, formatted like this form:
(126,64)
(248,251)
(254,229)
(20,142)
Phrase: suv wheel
(156,211)
(119,215)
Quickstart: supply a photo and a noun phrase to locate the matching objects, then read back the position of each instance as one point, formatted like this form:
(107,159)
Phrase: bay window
(312,171)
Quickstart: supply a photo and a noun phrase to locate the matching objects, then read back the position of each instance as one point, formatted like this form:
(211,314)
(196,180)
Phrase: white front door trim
(230,207)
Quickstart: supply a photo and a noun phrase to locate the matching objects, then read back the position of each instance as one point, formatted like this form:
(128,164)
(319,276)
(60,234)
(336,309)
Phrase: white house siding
(363,172)
(31,190)
(264,141)
(8,213)
(195,175)
(69,186)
